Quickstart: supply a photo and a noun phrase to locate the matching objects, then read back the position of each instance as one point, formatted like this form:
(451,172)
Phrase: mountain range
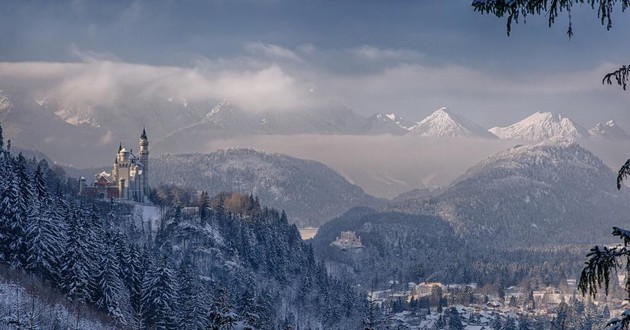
(177,125)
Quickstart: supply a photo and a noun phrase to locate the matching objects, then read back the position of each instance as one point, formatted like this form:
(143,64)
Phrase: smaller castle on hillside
(129,179)
(348,240)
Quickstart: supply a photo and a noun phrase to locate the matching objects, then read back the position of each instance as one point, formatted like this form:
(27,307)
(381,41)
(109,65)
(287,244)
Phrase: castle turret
(122,191)
(144,159)
(81,186)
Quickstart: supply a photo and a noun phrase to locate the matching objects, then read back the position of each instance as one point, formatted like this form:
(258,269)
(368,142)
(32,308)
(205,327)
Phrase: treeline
(209,269)
(412,248)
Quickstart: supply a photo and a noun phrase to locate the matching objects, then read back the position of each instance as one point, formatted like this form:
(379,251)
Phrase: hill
(554,192)
(310,192)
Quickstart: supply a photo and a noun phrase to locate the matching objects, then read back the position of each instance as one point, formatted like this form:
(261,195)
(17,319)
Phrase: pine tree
(222,314)
(8,209)
(524,323)
(75,272)
(192,310)
(17,227)
(510,324)
(454,320)
(111,294)
(560,322)
(43,232)
(133,275)
(159,300)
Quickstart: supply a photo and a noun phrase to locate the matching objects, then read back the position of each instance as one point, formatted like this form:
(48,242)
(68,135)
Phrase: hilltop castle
(129,179)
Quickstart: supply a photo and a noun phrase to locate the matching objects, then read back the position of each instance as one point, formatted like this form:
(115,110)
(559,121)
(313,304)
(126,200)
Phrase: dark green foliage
(624,172)
(454,320)
(159,300)
(552,9)
(516,9)
(404,247)
(602,263)
(192,305)
(222,314)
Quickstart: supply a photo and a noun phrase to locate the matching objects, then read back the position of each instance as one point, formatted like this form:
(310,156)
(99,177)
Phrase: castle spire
(144,133)
(120,147)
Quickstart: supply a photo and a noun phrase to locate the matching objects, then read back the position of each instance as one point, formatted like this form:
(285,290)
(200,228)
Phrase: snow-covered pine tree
(43,231)
(133,275)
(8,207)
(455,320)
(192,313)
(75,271)
(111,294)
(19,223)
(222,315)
(159,299)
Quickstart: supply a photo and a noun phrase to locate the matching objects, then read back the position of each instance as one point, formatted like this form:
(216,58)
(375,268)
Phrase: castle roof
(144,134)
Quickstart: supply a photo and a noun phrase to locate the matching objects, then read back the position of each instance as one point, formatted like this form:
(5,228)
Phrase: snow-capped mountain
(310,192)
(5,103)
(541,126)
(609,130)
(443,123)
(551,192)
(381,123)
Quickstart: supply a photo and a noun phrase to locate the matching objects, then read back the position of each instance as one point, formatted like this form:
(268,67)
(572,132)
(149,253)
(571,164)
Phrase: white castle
(128,180)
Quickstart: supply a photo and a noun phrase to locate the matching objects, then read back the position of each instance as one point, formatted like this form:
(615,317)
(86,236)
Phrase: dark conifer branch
(624,172)
(619,76)
(520,9)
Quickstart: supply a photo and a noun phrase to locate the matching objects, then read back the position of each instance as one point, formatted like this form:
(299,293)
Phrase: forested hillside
(550,193)
(310,192)
(406,248)
(228,262)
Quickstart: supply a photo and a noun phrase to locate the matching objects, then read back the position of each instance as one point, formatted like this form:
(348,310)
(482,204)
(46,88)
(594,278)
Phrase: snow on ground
(20,309)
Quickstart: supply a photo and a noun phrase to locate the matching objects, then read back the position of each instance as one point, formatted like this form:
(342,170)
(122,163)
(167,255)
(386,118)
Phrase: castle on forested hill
(129,179)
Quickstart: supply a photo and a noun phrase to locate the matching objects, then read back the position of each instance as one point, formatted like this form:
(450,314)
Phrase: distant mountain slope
(406,248)
(308,191)
(609,130)
(228,120)
(391,240)
(541,126)
(30,126)
(549,193)
(443,123)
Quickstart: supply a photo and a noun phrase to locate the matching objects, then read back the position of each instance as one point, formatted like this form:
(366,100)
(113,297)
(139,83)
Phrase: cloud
(372,53)
(274,78)
(272,51)
(106,82)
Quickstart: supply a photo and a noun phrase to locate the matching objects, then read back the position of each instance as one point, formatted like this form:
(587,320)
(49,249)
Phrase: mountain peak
(541,126)
(5,101)
(609,130)
(443,123)
(442,110)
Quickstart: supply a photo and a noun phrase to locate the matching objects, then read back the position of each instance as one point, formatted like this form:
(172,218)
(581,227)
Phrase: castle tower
(144,159)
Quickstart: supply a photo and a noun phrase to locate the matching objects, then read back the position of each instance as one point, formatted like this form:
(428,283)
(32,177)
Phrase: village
(428,304)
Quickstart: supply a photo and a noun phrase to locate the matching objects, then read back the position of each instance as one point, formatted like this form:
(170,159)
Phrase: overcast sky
(407,57)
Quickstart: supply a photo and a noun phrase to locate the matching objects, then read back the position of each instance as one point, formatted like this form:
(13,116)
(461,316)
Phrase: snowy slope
(308,191)
(381,123)
(443,123)
(541,126)
(609,130)
(551,192)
